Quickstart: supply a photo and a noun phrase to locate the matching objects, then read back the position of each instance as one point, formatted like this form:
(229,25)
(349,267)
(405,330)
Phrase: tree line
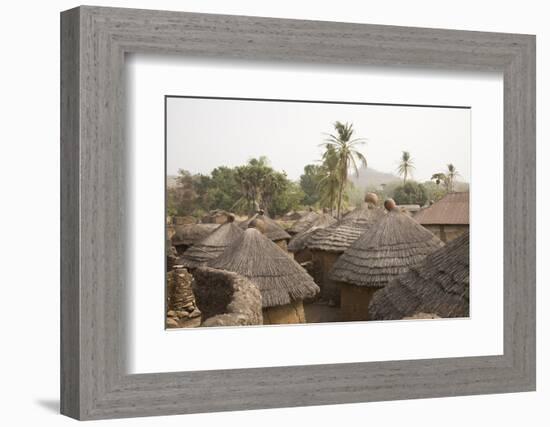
(325,185)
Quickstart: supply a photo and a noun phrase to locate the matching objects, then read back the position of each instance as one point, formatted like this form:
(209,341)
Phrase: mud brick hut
(377,257)
(447,218)
(282,282)
(187,235)
(328,244)
(226,298)
(211,246)
(440,286)
(273,231)
(298,244)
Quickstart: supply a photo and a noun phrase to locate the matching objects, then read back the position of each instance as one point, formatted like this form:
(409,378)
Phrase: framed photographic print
(262,213)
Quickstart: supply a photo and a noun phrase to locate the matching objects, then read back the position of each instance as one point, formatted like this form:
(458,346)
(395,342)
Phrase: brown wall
(322,265)
(355,302)
(285,314)
(302,256)
(447,232)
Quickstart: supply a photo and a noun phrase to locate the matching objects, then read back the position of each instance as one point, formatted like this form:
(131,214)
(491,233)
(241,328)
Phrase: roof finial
(371,198)
(389,204)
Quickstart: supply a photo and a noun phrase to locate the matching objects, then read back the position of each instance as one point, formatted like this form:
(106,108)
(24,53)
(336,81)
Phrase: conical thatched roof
(439,285)
(339,237)
(189,234)
(300,240)
(273,231)
(387,250)
(211,246)
(304,222)
(280,279)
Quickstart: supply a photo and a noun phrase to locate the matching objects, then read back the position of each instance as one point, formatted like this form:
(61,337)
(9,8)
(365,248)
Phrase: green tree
(406,165)
(287,200)
(330,181)
(310,183)
(181,198)
(434,192)
(345,149)
(410,193)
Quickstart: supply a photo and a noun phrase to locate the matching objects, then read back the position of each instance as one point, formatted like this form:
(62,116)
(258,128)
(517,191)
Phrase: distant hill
(369,177)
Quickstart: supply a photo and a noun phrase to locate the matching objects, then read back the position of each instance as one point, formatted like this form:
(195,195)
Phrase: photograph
(283,212)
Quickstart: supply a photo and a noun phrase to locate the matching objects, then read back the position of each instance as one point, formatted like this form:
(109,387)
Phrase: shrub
(410,193)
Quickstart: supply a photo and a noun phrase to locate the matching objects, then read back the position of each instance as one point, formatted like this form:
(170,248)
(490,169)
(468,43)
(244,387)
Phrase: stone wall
(181,309)
(226,299)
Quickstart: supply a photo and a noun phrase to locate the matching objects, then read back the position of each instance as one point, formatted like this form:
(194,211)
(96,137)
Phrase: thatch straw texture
(279,278)
(211,246)
(190,234)
(304,223)
(440,286)
(273,231)
(339,237)
(387,250)
(299,241)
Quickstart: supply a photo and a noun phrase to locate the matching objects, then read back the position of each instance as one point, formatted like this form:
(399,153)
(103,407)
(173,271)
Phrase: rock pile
(180,300)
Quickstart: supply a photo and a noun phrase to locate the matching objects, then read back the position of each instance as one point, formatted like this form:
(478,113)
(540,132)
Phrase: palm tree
(451,175)
(329,183)
(345,149)
(406,165)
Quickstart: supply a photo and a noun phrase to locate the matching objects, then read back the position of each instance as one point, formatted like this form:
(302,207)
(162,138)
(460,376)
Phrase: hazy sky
(205,133)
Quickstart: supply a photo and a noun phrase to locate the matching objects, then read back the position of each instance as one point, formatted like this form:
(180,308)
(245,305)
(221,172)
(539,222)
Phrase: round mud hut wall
(323,262)
(355,301)
(285,314)
(226,299)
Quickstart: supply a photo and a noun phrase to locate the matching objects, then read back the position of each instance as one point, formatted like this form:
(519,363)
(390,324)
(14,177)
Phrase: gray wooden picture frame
(94,41)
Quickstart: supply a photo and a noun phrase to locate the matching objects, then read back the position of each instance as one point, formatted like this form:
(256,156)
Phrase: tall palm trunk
(339,206)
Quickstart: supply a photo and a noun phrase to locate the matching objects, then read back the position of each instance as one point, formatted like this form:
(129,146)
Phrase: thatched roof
(273,230)
(439,285)
(387,250)
(304,222)
(300,240)
(338,237)
(211,246)
(452,209)
(190,234)
(280,279)
(211,216)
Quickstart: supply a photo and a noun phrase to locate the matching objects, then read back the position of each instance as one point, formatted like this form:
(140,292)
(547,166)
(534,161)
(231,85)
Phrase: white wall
(29,168)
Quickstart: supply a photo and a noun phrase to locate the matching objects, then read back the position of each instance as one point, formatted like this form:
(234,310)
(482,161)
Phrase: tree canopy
(410,193)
